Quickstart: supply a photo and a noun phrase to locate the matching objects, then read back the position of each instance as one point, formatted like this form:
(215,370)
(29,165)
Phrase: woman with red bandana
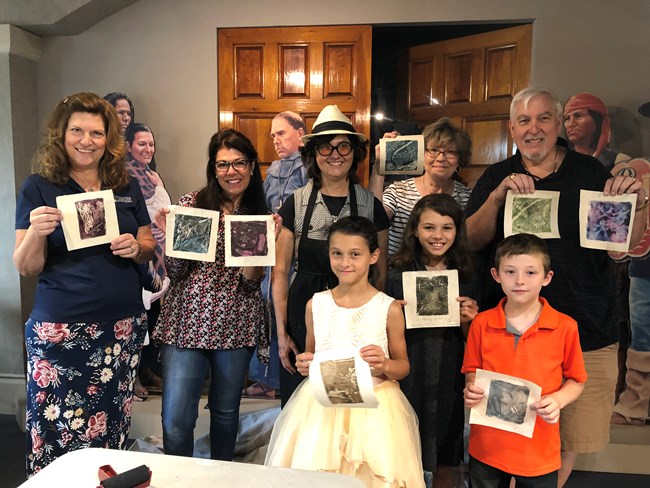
(587,126)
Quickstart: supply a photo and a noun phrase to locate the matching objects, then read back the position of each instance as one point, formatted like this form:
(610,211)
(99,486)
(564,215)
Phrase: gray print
(340,381)
(401,155)
(507,401)
(431,294)
(192,233)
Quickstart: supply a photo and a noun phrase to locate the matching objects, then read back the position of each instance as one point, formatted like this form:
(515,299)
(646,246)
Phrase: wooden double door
(263,71)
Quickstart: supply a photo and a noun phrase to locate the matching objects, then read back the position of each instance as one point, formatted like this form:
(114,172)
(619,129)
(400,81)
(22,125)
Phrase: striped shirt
(400,198)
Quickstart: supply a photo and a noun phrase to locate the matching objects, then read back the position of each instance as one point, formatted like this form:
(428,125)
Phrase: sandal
(260,391)
(619,419)
(140,393)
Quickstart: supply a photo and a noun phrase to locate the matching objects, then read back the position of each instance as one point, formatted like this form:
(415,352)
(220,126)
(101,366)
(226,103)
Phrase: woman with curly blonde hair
(85,332)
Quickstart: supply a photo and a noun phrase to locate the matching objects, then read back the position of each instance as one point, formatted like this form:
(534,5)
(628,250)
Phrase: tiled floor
(629,451)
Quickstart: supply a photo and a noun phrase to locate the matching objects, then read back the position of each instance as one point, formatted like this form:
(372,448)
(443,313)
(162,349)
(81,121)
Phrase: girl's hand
(277,221)
(548,408)
(472,395)
(45,219)
(126,246)
(375,357)
(303,361)
(161,219)
(468,309)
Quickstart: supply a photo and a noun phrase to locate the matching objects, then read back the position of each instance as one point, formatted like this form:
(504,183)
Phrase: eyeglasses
(434,152)
(224,166)
(325,149)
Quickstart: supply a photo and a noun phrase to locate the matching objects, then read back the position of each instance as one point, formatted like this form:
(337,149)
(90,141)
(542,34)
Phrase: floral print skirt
(79,385)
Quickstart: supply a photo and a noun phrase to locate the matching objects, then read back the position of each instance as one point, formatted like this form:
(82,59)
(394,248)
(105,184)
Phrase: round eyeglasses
(325,149)
(434,152)
(224,166)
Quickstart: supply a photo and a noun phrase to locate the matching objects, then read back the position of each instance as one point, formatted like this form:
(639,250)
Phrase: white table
(79,469)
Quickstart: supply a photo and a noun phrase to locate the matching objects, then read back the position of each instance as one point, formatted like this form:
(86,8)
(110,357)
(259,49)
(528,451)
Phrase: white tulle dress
(380,446)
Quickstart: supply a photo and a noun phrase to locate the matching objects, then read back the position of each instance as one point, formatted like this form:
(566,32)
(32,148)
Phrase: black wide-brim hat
(332,121)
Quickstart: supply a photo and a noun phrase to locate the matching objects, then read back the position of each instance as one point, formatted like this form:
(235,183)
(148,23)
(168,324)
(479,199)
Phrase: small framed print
(89,219)
(192,233)
(431,299)
(606,221)
(506,404)
(250,240)
(341,378)
(402,155)
(535,213)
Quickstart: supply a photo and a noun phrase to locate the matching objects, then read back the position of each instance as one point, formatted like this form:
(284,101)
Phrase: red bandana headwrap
(587,101)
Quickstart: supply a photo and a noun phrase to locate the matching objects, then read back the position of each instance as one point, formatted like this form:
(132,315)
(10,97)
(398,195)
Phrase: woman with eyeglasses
(212,316)
(447,150)
(331,153)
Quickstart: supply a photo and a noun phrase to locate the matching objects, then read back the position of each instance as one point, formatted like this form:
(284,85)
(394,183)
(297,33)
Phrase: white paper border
(362,373)
(211,254)
(554,196)
(419,169)
(70,224)
(586,197)
(268,259)
(415,321)
(478,413)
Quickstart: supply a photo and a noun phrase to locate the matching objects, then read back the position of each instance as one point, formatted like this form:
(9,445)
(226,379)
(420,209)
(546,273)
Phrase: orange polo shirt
(547,352)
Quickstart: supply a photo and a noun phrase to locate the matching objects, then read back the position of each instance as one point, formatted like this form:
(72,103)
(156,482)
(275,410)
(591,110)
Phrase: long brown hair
(457,257)
(52,161)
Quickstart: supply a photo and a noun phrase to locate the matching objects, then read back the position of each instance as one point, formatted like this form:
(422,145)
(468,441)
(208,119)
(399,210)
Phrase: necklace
(554,170)
(87,186)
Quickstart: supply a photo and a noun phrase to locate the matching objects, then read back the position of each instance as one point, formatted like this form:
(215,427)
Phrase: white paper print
(606,222)
(402,155)
(89,219)
(192,233)
(506,404)
(250,240)
(535,213)
(341,378)
(431,298)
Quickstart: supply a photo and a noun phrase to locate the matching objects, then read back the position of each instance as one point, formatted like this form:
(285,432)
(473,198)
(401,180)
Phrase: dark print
(507,402)
(91,216)
(401,155)
(609,221)
(340,380)
(431,294)
(248,238)
(192,233)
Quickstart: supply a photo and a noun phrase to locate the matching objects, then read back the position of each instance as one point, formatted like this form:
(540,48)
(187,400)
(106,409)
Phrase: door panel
(263,71)
(472,80)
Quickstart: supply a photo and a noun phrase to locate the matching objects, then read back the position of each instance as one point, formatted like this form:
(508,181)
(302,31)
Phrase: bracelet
(139,251)
(644,204)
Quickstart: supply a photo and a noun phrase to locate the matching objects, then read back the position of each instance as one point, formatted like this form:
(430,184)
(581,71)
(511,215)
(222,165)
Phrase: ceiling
(58,17)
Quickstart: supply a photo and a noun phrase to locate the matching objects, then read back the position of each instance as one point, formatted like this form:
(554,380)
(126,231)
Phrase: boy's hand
(472,395)
(548,408)
(303,361)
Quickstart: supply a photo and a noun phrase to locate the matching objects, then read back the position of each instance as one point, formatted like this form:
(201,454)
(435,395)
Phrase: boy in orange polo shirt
(526,338)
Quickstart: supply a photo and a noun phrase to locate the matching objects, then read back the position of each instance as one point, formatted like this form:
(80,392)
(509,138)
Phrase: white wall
(163,54)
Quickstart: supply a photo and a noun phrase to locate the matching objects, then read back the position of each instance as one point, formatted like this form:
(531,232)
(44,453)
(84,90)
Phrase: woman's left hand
(126,246)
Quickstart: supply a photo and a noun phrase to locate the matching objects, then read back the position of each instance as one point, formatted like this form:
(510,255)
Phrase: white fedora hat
(332,121)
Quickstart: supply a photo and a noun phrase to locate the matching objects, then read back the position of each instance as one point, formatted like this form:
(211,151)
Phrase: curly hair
(457,257)
(308,155)
(52,161)
(212,196)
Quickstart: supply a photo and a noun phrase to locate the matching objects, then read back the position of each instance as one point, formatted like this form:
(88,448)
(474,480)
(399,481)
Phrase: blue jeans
(640,313)
(184,372)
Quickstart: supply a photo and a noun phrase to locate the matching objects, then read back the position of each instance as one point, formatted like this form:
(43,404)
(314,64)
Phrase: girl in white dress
(380,446)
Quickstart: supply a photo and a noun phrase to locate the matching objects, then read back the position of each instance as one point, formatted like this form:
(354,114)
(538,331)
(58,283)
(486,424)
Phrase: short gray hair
(531,92)
(293,119)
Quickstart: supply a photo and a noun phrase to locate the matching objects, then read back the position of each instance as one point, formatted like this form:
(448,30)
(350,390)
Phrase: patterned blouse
(210,306)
